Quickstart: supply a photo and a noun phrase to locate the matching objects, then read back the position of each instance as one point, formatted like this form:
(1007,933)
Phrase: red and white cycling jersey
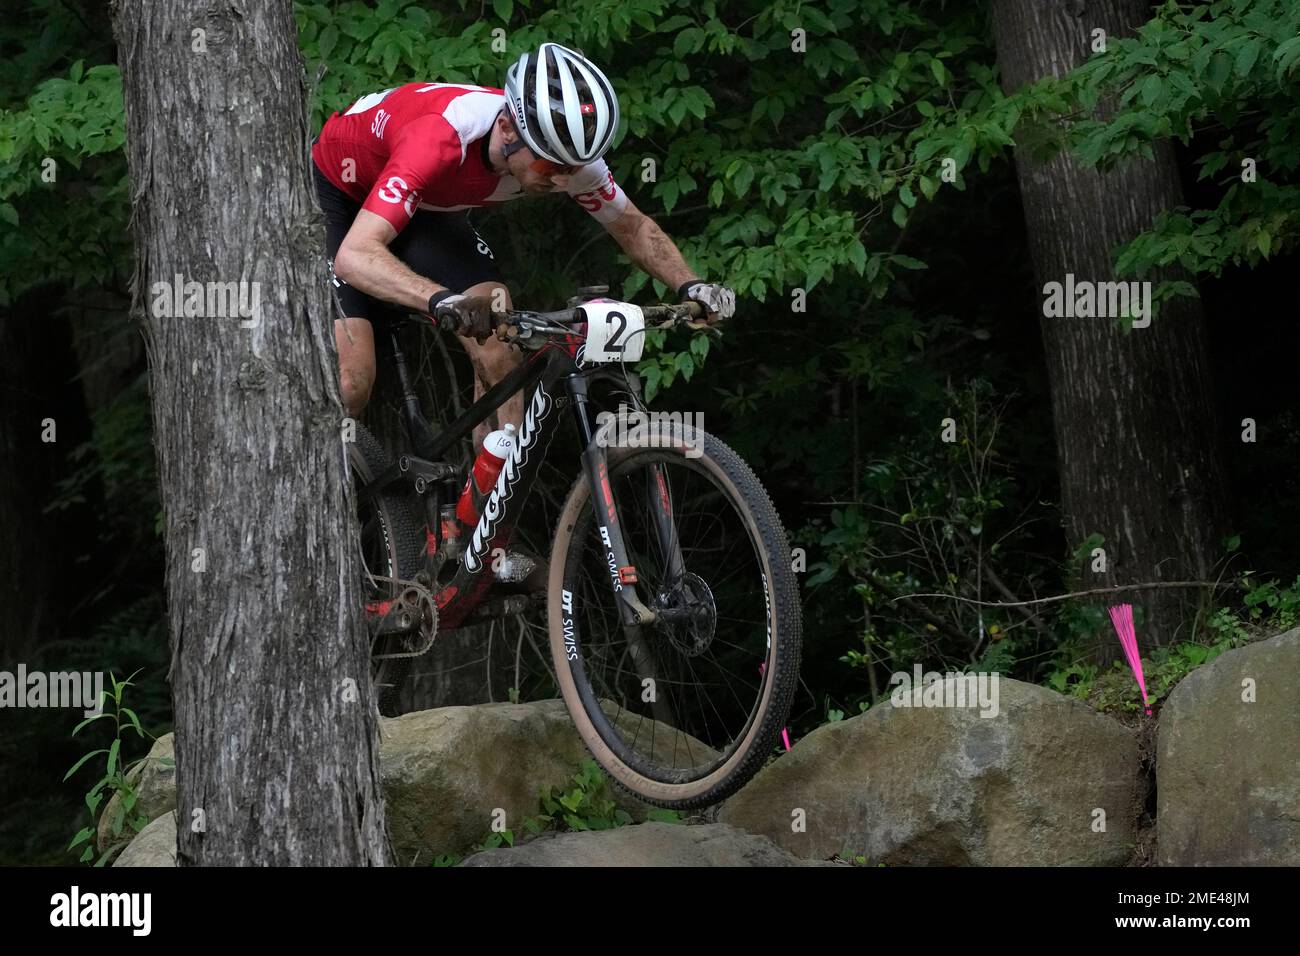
(408,148)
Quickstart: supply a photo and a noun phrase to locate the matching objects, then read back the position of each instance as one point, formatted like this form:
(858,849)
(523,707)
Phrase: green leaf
(503,8)
(1152,87)
(652,377)
(687,42)
(660,815)
(858,257)
(1246,57)
(135,721)
(1264,241)
(392,54)
(9,214)
(907,196)
(112,756)
(744,176)
(78,765)
(899,215)
(326,42)
(84,834)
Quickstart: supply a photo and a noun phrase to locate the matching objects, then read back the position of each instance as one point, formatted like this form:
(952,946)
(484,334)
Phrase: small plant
(117,778)
(587,806)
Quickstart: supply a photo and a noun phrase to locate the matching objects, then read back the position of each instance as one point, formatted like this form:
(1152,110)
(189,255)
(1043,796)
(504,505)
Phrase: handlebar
(666,316)
(688,314)
(525,324)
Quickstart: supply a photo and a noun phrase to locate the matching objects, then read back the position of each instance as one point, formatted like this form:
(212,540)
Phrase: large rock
(1228,769)
(446,771)
(649,844)
(155,845)
(155,786)
(945,786)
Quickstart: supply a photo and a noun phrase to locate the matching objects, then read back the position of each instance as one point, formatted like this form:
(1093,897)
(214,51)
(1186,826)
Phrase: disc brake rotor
(687,615)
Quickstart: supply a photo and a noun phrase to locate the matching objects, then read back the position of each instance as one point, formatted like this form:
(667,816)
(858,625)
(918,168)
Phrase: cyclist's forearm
(371,268)
(650,248)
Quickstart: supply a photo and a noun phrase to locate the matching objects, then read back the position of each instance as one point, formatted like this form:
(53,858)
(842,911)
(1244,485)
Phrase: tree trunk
(276,726)
(1135,423)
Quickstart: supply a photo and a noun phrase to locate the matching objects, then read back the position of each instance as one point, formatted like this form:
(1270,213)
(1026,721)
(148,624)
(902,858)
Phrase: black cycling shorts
(441,246)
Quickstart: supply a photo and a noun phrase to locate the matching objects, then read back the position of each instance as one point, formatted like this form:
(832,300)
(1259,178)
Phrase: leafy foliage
(844,165)
(116,779)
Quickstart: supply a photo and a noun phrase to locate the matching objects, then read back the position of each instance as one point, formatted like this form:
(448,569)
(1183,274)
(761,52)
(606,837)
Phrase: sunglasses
(545,167)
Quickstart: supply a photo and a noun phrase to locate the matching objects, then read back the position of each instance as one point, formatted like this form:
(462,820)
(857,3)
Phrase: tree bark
(276,725)
(1135,422)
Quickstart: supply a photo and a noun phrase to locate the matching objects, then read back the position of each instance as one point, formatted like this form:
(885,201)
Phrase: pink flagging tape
(1121,615)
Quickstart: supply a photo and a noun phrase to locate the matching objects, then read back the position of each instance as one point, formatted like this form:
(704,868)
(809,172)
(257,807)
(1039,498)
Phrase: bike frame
(552,378)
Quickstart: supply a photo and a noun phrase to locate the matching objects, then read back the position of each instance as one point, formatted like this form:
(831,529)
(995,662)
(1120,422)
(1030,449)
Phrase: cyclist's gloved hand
(467,315)
(718,299)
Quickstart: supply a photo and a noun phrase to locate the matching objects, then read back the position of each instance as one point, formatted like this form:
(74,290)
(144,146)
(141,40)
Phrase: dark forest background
(779,171)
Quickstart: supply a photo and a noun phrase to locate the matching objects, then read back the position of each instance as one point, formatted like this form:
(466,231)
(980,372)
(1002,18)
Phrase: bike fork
(622,572)
(635,616)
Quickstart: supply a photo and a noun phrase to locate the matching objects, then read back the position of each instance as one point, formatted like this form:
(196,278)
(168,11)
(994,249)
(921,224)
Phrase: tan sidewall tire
(652,790)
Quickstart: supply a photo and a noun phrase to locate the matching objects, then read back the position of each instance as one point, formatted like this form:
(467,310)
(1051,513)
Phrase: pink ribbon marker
(1121,615)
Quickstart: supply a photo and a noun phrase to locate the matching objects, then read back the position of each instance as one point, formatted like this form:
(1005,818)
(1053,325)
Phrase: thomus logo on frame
(494,505)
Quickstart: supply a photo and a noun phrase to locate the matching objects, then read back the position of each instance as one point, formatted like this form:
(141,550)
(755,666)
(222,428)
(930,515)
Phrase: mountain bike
(672,610)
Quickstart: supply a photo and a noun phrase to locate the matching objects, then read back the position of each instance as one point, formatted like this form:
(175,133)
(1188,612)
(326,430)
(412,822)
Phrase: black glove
(467,315)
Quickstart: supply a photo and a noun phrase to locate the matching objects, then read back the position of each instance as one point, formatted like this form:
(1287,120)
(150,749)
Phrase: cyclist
(396,172)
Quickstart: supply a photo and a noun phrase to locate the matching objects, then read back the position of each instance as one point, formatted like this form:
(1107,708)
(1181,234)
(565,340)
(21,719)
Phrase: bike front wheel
(684,711)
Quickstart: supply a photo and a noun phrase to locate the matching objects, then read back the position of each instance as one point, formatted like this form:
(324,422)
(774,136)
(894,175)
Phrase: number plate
(615,332)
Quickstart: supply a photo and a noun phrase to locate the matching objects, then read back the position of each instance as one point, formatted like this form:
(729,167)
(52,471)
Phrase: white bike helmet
(563,106)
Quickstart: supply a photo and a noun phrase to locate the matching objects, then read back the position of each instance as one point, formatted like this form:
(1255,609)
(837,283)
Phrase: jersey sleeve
(594,189)
(427,150)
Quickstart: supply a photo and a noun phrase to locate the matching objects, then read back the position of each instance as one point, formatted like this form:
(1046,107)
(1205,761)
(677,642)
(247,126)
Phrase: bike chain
(416,598)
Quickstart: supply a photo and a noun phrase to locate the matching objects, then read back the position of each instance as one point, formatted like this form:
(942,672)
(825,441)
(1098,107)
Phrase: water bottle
(491,459)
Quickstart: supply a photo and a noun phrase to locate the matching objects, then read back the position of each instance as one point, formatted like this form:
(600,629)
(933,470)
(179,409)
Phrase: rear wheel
(391,547)
(682,712)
